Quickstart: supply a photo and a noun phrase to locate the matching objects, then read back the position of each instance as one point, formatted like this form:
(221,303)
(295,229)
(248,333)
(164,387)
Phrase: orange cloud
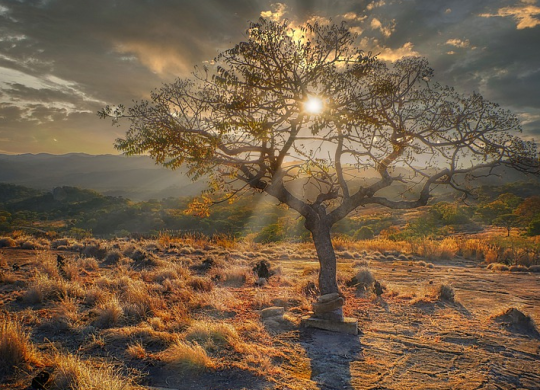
(526,16)
(277,12)
(159,59)
(386,31)
(458,43)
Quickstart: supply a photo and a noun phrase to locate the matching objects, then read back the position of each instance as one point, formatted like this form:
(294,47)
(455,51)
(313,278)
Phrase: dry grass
(73,373)
(7,242)
(136,351)
(16,350)
(497,267)
(109,313)
(186,358)
(213,336)
(43,288)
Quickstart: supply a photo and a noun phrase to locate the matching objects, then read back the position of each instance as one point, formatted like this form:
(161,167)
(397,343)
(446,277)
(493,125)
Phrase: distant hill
(134,177)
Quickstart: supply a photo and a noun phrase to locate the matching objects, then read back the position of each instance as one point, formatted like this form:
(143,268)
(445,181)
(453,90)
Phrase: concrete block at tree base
(336,315)
(272,312)
(328,297)
(348,325)
(327,306)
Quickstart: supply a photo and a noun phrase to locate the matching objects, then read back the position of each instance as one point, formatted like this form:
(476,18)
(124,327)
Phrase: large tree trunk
(327,258)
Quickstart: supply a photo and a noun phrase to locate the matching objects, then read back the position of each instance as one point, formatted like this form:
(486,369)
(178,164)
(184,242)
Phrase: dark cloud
(61,60)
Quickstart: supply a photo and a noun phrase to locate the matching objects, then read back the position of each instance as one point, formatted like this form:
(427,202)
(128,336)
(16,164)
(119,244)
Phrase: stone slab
(327,306)
(328,297)
(348,325)
(272,312)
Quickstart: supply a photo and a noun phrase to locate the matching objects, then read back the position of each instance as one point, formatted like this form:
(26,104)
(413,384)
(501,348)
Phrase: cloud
(458,42)
(387,53)
(526,16)
(386,31)
(375,4)
(277,12)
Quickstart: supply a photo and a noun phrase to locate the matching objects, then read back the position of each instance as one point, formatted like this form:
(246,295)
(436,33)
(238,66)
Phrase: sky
(63,60)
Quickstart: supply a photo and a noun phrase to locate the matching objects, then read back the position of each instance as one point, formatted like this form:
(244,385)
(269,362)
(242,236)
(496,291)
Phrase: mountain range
(136,177)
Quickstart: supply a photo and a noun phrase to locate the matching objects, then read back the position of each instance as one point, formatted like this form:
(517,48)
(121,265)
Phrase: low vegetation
(95,314)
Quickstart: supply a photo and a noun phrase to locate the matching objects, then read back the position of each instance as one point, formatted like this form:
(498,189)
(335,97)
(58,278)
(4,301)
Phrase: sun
(313,105)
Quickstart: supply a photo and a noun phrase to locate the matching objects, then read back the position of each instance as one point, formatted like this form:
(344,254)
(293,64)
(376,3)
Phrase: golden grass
(109,313)
(16,349)
(186,358)
(75,374)
(43,288)
(213,335)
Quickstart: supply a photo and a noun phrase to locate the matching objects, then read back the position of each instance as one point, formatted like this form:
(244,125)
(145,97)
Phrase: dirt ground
(410,343)
(406,340)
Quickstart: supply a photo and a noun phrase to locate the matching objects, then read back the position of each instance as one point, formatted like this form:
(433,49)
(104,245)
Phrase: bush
(364,233)
(534,228)
(363,279)
(270,233)
(446,293)
(7,242)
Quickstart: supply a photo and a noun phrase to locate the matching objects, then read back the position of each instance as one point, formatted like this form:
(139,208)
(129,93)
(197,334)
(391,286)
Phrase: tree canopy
(302,114)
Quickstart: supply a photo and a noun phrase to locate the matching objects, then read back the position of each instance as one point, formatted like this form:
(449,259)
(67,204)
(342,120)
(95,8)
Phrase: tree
(302,114)
(507,221)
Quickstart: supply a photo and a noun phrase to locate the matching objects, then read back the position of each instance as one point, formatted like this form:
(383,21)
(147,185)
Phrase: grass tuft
(186,358)
(15,346)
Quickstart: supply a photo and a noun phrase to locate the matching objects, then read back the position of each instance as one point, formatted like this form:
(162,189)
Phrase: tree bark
(327,258)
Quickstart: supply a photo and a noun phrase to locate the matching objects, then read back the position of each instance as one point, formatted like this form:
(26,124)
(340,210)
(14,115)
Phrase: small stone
(273,312)
(327,297)
(327,306)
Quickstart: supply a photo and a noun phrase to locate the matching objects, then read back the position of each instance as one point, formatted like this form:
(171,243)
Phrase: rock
(348,325)
(327,297)
(327,306)
(272,312)
(261,282)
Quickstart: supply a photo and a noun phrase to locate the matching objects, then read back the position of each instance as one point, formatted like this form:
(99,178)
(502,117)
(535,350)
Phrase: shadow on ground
(330,356)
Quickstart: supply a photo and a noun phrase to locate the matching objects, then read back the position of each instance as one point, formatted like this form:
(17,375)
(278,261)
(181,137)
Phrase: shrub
(363,279)
(446,293)
(270,233)
(364,233)
(497,267)
(7,242)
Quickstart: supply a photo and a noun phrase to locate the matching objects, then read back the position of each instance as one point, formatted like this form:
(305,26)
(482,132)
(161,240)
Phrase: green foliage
(534,228)
(364,233)
(450,213)
(271,233)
